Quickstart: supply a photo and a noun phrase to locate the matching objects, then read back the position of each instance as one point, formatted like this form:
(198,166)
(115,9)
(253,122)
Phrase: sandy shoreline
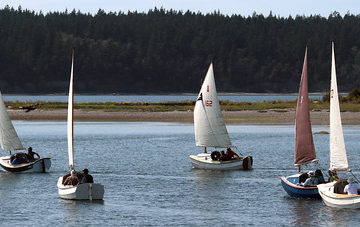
(231,117)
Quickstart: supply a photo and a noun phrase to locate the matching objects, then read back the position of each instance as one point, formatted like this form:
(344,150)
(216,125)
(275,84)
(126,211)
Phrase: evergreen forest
(169,51)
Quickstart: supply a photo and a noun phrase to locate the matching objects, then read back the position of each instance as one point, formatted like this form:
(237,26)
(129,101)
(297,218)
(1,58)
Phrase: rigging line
(237,150)
(354,176)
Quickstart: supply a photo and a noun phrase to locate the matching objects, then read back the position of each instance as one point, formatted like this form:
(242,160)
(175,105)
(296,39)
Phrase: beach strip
(272,117)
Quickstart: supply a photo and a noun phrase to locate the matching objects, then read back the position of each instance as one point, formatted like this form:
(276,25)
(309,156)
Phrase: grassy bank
(181,106)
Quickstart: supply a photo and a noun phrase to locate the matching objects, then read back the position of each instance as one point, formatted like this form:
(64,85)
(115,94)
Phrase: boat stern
(87,191)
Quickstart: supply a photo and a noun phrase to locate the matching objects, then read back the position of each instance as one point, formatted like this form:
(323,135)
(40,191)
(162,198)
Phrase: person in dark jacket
(340,185)
(87,178)
(319,176)
(231,154)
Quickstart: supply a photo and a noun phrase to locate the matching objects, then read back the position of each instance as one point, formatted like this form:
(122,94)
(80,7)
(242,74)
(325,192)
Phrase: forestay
(9,138)
(338,159)
(70,122)
(304,144)
(210,129)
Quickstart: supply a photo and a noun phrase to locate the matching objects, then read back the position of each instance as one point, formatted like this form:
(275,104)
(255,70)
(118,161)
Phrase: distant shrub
(354,96)
(326,98)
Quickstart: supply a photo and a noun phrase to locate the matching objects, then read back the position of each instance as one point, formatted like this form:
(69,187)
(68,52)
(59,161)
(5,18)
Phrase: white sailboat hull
(87,191)
(41,165)
(204,161)
(332,199)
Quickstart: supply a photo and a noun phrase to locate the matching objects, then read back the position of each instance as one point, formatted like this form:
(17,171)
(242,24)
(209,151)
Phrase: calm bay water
(149,180)
(147,98)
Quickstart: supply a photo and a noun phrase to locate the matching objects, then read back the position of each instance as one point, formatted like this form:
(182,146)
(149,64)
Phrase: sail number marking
(208,103)
(332,93)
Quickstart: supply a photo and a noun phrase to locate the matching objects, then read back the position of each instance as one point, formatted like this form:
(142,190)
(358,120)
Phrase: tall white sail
(8,136)
(210,129)
(70,121)
(338,159)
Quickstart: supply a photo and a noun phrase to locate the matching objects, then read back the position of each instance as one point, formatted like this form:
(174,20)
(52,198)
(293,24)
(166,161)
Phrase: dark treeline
(170,51)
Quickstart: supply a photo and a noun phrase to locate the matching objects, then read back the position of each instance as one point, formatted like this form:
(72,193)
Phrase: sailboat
(210,130)
(338,157)
(84,191)
(304,144)
(11,142)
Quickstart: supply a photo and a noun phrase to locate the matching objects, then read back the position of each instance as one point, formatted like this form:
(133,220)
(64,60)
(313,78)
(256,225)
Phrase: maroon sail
(304,144)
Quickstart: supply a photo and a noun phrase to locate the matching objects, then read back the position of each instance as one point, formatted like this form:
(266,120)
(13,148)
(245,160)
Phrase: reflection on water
(342,217)
(210,175)
(74,211)
(149,179)
(304,216)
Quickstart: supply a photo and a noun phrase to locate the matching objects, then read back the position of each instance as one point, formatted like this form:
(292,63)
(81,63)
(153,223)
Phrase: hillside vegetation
(168,51)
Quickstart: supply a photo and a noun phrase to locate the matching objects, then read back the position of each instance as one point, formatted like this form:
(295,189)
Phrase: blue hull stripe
(299,191)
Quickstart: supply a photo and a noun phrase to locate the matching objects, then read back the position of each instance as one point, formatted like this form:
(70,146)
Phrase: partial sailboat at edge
(11,142)
(210,131)
(338,158)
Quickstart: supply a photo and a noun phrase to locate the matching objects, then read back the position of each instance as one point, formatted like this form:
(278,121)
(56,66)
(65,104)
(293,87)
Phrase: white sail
(210,129)
(9,138)
(70,122)
(338,159)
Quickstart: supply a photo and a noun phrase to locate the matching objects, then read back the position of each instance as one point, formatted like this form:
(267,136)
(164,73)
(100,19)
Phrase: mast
(304,144)
(70,120)
(338,158)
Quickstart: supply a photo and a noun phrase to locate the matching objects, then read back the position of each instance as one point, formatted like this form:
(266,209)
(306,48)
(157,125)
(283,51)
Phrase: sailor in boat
(314,178)
(332,176)
(31,154)
(72,179)
(352,188)
(87,178)
(18,158)
(231,154)
(339,186)
(310,181)
(319,177)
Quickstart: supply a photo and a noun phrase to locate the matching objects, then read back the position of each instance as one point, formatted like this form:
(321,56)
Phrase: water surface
(149,180)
